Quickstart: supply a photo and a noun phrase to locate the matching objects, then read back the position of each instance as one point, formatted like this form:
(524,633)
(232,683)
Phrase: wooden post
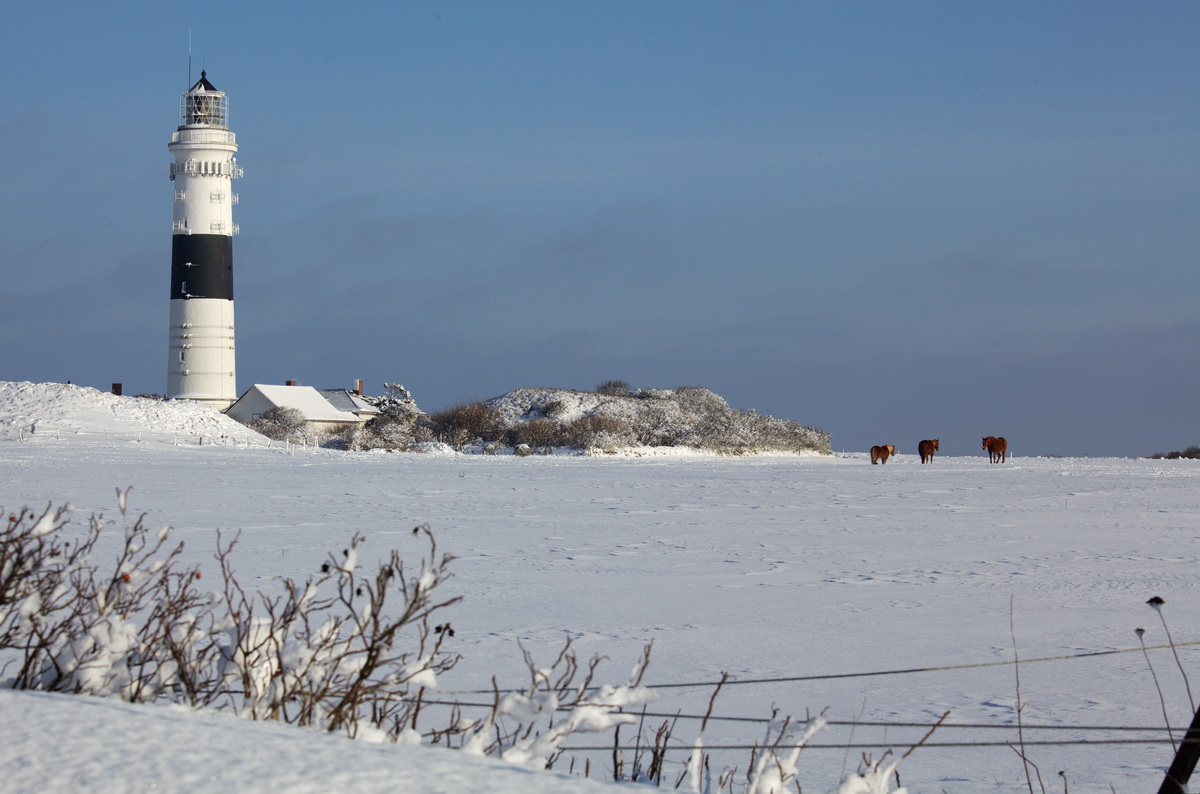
(1185,760)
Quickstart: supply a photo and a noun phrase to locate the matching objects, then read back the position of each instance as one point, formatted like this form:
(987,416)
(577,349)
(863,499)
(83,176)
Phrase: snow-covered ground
(64,411)
(65,743)
(773,567)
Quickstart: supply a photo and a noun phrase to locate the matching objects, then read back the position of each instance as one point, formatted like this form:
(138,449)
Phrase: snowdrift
(71,743)
(55,410)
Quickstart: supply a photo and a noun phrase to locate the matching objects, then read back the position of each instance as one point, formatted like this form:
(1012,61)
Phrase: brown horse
(881,454)
(927,448)
(997,447)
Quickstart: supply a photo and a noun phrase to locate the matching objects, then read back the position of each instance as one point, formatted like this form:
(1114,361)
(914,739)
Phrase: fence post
(1185,760)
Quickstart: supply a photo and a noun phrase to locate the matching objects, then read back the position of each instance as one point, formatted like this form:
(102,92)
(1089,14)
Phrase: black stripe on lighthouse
(202,266)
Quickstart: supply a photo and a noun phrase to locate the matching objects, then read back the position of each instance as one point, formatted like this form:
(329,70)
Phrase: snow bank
(55,410)
(74,743)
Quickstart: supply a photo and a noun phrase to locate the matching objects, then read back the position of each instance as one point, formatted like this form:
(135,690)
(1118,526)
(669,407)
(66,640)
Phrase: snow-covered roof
(346,400)
(305,399)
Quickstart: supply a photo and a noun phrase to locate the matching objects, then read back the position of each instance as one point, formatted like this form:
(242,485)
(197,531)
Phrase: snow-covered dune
(685,417)
(62,409)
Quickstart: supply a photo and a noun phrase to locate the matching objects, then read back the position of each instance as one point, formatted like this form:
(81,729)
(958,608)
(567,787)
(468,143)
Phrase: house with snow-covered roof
(317,410)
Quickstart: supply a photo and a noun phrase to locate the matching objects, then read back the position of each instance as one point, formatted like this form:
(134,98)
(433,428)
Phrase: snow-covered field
(765,568)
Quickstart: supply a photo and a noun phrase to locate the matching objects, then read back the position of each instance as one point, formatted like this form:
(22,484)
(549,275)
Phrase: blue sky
(894,221)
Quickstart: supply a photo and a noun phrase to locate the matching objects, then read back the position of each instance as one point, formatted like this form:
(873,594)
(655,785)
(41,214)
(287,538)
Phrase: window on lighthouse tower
(201,109)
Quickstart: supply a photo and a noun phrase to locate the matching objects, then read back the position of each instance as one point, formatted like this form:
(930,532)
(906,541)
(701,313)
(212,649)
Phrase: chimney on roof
(290,383)
(358,387)
(117,389)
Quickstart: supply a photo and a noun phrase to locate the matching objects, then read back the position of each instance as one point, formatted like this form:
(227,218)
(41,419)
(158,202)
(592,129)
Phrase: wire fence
(731,681)
(767,721)
(1023,733)
(870,745)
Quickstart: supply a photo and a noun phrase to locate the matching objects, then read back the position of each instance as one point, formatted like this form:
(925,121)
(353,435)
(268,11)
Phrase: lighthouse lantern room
(201,358)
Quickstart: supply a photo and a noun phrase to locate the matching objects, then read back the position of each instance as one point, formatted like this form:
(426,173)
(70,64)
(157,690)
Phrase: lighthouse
(201,358)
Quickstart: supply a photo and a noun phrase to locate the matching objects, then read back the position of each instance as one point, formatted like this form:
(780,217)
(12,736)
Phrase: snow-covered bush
(598,432)
(342,651)
(388,432)
(282,423)
(471,424)
(399,425)
(66,626)
(553,408)
(534,729)
(614,388)
(682,417)
(539,434)
(396,403)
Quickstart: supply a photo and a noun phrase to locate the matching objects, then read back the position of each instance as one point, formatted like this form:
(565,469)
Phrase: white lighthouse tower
(201,359)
